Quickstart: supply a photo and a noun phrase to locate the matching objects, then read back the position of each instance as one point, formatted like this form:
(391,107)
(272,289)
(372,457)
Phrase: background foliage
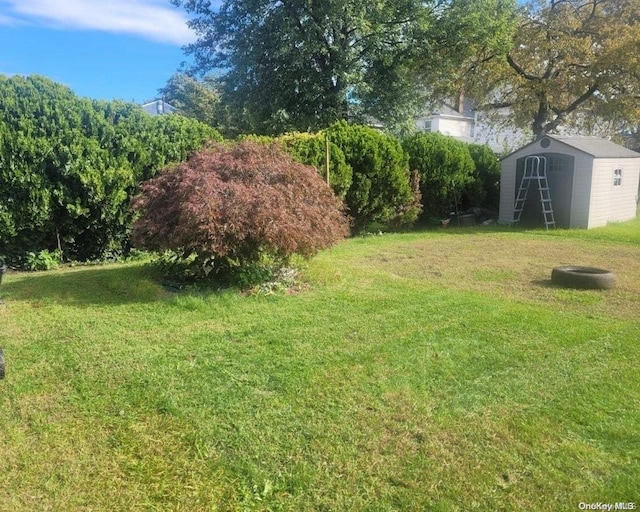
(69,165)
(572,64)
(308,58)
(309,148)
(484,188)
(381,189)
(322,62)
(198,99)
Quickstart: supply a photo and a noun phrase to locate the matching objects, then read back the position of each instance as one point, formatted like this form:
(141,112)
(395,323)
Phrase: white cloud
(152,19)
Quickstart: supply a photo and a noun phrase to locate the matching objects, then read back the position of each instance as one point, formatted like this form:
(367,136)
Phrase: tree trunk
(540,120)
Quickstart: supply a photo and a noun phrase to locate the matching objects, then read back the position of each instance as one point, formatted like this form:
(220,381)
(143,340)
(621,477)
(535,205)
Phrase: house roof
(593,146)
(157,107)
(446,110)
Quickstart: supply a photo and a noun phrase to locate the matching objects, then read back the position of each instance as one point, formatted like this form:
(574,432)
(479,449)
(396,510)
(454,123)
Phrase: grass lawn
(422,371)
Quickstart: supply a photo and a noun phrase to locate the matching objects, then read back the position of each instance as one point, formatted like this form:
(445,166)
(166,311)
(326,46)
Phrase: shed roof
(594,146)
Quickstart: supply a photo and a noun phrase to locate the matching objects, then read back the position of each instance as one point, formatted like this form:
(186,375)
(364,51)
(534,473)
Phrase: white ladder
(535,169)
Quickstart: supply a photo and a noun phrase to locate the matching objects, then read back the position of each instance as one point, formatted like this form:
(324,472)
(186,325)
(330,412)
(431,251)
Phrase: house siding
(459,127)
(158,107)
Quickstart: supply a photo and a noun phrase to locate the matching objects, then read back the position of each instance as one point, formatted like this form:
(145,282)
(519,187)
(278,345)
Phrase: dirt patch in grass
(518,267)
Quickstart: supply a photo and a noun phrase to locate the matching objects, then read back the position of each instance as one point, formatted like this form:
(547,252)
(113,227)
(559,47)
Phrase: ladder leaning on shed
(535,169)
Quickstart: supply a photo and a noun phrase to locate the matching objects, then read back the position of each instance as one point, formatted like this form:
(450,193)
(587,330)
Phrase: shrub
(381,189)
(230,206)
(69,165)
(445,168)
(484,190)
(44,260)
(309,149)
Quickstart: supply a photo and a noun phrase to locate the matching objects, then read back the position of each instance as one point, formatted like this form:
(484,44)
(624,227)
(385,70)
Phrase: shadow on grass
(618,232)
(85,286)
(461,230)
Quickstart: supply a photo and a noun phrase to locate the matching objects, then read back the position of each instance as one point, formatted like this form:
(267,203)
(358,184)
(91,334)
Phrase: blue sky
(102,49)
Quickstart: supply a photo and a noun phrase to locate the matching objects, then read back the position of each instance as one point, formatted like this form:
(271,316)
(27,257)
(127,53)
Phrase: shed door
(560,176)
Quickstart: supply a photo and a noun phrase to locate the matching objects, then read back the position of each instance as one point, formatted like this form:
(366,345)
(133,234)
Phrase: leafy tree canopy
(199,99)
(573,62)
(295,65)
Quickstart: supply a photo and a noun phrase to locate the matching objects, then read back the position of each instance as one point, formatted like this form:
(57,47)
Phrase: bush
(310,149)
(445,167)
(484,190)
(44,260)
(231,206)
(69,165)
(381,189)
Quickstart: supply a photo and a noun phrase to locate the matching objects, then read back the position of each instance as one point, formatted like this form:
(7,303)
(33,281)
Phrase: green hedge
(484,190)
(69,166)
(381,188)
(445,167)
(309,149)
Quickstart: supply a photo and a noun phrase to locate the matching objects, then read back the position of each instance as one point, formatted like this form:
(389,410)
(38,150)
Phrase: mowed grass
(424,371)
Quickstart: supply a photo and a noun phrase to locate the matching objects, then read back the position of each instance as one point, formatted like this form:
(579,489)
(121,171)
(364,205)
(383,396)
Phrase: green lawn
(423,371)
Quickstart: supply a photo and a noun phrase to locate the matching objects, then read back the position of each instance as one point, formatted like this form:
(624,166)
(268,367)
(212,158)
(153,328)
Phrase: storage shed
(590,182)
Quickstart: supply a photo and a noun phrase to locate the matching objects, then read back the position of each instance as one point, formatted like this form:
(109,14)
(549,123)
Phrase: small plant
(43,260)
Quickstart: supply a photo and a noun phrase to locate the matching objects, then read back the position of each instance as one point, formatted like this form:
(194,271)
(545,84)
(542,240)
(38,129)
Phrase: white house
(464,123)
(158,108)
(591,181)
(458,122)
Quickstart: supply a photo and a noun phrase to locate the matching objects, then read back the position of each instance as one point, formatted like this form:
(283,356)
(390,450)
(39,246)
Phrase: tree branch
(577,102)
(520,70)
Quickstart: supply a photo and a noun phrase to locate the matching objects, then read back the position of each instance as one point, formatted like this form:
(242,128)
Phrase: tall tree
(465,40)
(296,64)
(199,99)
(572,62)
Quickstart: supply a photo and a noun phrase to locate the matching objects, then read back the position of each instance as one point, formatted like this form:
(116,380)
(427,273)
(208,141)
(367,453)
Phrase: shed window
(617,177)
(556,164)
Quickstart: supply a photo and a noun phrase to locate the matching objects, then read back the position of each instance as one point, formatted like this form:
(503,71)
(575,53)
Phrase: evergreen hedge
(69,167)
(381,189)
